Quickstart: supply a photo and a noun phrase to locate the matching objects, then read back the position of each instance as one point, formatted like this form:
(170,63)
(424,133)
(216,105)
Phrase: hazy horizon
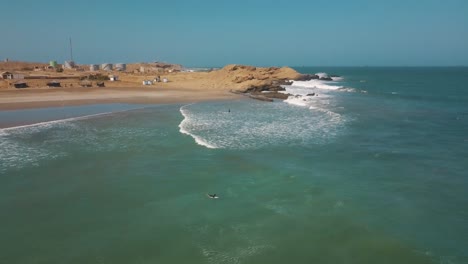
(212,34)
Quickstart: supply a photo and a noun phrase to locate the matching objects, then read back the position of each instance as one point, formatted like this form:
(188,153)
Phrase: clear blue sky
(257,32)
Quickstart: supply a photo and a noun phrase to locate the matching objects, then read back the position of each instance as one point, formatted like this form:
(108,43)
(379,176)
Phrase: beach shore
(54,97)
(45,88)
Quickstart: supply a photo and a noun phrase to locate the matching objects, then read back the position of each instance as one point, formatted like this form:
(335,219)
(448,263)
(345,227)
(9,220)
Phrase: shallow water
(351,177)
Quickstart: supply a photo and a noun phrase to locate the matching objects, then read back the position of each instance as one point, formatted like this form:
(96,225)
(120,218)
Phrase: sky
(213,33)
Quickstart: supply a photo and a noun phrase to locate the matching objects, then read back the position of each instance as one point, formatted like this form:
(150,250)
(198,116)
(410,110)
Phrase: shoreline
(24,89)
(59,97)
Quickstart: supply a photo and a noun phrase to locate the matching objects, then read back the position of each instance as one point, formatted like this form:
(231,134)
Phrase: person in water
(213,196)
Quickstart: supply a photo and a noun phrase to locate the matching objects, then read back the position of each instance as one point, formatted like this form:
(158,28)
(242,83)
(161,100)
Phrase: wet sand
(52,97)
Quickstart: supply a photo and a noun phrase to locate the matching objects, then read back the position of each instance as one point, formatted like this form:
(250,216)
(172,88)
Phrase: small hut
(113,78)
(7,75)
(12,76)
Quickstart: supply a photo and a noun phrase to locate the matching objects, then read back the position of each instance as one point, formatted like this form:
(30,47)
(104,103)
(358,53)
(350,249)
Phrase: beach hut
(7,75)
(113,78)
(12,76)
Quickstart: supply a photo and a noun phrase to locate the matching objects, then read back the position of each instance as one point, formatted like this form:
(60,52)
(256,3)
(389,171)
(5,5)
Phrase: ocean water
(369,168)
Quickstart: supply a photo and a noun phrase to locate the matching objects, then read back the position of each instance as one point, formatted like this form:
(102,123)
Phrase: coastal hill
(242,78)
(259,83)
(24,84)
(231,77)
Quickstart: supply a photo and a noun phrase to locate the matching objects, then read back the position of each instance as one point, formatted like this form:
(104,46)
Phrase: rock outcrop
(250,79)
(307,77)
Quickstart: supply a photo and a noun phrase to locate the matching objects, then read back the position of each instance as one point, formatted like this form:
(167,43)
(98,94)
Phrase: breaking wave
(251,124)
(27,145)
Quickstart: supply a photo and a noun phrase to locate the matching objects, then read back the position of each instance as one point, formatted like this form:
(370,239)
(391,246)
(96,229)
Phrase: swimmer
(212,196)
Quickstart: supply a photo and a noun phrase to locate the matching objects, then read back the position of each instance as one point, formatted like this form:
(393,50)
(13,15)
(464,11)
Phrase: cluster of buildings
(94,67)
(108,67)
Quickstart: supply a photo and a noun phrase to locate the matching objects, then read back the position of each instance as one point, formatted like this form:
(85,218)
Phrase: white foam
(16,150)
(318,84)
(256,124)
(314,94)
(46,124)
(297,100)
(183,128)
(334,116)
(322,74)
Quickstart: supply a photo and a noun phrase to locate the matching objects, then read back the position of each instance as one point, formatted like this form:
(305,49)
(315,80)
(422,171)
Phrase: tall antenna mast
(71,50)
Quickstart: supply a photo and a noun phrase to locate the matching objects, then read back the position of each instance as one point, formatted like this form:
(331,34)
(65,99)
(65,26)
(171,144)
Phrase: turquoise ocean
(369,168)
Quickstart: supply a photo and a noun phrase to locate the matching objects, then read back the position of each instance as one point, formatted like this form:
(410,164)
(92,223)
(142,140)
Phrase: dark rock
(260,97)
(276,95)
(326,79)
(265,87)
(237,92)
(307,77)
(311,94)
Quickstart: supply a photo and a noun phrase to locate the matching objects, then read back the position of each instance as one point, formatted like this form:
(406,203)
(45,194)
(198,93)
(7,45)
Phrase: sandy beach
(180,87)
(53,97)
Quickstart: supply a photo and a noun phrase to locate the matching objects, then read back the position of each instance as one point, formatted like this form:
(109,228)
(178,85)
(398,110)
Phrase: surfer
(229,110)
(212,196)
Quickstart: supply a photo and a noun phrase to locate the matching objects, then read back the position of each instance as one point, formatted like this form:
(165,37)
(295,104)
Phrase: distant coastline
(31,85)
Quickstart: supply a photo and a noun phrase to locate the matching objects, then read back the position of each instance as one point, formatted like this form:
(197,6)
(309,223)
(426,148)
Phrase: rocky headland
(141,82)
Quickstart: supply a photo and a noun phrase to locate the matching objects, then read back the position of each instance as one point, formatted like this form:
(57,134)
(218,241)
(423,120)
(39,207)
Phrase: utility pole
(71,50)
